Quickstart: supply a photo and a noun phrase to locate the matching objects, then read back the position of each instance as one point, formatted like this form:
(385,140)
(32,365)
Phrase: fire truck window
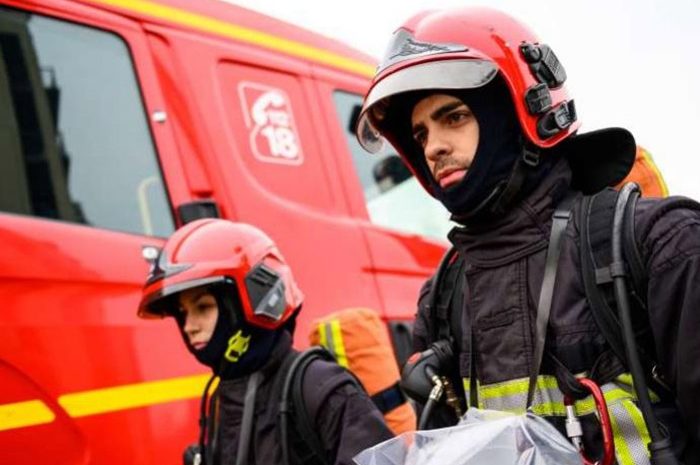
(394,198)
(74,137)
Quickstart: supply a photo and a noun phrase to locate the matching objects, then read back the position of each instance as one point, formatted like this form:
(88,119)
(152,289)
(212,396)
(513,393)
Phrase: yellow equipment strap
(331,337)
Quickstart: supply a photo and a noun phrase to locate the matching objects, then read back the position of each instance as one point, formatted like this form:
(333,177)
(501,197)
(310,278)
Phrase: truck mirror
(354,116)
(197,209)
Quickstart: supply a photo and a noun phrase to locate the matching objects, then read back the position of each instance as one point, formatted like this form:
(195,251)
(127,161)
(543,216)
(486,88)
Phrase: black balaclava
(501,145)
(230,322)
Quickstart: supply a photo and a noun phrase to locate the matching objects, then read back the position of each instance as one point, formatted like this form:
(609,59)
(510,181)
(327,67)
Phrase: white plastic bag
(483,437)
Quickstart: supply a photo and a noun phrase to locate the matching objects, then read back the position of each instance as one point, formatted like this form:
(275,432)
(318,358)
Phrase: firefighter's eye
(420,135)
(459,116)
(204,306)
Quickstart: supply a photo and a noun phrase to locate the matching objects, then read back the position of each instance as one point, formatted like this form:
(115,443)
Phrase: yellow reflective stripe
(516,387)
(338,346)
(629,429)
(638,421)
(587,405)
(214,385)
(515,393)
(466,384)
(549,409)
(631,435)
(323,335)
(243,34)
(80,404)
(622,450)
(26,413)
(624,381)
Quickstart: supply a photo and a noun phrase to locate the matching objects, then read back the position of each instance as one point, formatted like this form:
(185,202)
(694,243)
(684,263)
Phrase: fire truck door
(83,193)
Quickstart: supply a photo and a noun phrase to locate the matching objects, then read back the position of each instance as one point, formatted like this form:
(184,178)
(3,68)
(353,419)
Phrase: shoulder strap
(445,307)
(633,257)
(560,221)
(247,421)
(596,220)
(595,247)
(299,439)
(444,300)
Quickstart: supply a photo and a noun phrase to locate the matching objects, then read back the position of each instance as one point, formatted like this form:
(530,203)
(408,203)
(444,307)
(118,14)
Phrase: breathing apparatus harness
(197,454)
(424,372)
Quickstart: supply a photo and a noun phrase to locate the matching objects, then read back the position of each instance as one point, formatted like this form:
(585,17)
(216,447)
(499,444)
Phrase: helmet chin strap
(505,192)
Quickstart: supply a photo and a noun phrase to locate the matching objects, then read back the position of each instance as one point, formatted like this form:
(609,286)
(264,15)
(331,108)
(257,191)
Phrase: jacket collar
(521,231)
(281,350)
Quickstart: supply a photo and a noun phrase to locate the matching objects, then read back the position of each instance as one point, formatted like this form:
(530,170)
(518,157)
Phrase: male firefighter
(476,107)
(235,302)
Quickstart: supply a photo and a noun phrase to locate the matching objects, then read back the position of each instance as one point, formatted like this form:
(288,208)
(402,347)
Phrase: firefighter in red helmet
(476,106)
(235,302)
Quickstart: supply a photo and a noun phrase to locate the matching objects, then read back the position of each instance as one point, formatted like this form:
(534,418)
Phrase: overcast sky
(631,63)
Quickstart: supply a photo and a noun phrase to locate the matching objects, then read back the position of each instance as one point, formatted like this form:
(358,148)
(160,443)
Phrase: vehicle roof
(227,20)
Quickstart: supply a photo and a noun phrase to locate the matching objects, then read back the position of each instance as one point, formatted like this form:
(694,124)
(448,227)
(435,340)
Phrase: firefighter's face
(447,131)
(200,311)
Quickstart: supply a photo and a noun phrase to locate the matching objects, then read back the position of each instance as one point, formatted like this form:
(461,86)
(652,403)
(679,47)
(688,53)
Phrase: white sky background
(630,63)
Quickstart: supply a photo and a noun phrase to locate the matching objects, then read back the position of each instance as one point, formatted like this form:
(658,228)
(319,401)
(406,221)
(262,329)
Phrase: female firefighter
(235,303)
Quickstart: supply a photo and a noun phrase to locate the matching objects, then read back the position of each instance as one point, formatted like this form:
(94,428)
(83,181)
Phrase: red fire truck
(123,119)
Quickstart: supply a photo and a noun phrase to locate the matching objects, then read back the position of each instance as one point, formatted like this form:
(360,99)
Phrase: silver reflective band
(444,74)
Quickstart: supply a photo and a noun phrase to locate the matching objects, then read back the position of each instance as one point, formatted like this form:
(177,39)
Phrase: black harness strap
(595,223)
(303,445)
(247,422)
(445,305)
(559,222)
(598,269)
(388,399)
(439,296)
(633,257)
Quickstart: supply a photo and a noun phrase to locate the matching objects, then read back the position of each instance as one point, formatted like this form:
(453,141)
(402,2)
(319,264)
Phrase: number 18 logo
(268,116)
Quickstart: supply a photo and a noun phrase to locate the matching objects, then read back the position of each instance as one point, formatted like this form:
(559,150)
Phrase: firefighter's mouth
(199,345)
(451,177)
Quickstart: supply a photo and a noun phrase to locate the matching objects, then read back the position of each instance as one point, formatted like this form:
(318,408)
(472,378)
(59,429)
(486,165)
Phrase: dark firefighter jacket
(504,269)
(345,419)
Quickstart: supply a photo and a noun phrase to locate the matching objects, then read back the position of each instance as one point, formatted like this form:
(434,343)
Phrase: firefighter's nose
(190,328)
(436,147)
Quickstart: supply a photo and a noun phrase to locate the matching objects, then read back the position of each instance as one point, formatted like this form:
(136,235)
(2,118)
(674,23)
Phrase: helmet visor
(444,74)
(160,303)
(404,46)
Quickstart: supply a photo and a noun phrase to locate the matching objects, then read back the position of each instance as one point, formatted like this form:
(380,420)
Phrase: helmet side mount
(265,290)
(548,70)
(544,64)
(556,120)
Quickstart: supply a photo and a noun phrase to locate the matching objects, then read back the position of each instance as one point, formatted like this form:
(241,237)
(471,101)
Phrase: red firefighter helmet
(213,251)
(466,48)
